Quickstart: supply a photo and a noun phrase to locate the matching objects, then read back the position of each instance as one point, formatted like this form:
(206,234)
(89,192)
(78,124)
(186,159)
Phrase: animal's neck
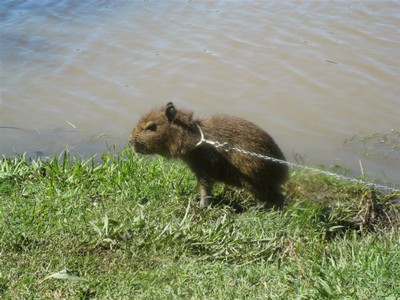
(189,139)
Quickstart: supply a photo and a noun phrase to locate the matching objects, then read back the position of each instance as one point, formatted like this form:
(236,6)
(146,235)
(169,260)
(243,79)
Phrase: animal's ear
(170,112)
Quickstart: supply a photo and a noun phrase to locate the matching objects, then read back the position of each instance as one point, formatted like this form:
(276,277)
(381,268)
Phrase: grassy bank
(123,227)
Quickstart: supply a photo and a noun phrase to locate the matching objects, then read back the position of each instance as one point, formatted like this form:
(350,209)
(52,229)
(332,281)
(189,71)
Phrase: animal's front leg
(205,193)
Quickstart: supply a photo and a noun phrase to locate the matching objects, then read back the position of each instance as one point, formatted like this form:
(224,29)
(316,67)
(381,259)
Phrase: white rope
(227,147)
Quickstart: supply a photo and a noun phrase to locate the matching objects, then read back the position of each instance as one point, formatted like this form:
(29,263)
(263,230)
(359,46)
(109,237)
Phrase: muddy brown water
(318,76)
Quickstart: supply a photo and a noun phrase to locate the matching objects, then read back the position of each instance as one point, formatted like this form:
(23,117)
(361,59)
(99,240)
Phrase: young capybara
(175,133)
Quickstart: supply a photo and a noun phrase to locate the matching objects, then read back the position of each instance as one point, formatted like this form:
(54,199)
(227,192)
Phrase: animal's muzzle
(137,147)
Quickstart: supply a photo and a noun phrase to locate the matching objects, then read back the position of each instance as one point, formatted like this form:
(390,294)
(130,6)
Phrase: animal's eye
(151,127)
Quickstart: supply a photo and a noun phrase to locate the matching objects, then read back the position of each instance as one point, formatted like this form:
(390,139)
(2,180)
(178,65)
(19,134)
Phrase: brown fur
(174,134)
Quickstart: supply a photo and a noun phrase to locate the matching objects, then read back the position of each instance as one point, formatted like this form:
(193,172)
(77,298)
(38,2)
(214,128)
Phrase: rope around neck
(227,147)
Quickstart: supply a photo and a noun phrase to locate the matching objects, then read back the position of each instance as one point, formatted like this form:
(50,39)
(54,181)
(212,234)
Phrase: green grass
(124,227)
